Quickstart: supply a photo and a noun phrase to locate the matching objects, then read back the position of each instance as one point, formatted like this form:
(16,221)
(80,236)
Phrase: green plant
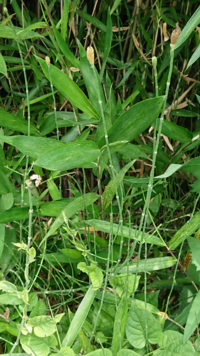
(96,260)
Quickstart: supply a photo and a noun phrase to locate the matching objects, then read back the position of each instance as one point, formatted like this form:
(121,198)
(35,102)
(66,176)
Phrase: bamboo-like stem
(23,190)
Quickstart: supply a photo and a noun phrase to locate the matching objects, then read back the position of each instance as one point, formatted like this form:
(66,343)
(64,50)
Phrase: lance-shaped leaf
(71,155)
(134,121)
(68,88)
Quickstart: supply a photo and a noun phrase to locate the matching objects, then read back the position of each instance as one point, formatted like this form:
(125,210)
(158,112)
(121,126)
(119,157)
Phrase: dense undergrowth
(99,178)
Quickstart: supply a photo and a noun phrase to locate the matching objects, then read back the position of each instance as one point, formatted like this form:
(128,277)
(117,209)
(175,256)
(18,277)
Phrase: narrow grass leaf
(194,57)
(93,20)
(21,33)
(15,123)
(105,226)
(63,45)
(110,189)
(185,231)
(64,20)
(3,68)
(150,264)
(75,206)
(137,322)
(116,3)
(195,248)
(2,237)
(176,132)
(79,317)
(108,41)
(193,319)
(68,88)
(189,27)
(91,80)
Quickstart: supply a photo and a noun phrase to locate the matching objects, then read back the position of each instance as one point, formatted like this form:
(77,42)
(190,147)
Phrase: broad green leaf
(106,226)
(93,272)
(33,301)
(123,284)
(101,352)
(132,151)
(176,132)
(110,189)
(100,338)
(71,155)
(57,258)
(71,209)
(21,33)
(7,201)
(2,237)
(134,121)
(172,344)
(185,231)
(58,317)
(150,264)
(5,184)
(39,309)
(195,248)
(137,321)
(65,351)
(37,346)
(189,27)
(16,123)
(8,287)
(43,325)
(79,318)
(3,68)
(119,326)
(126,352)
(10,327)
(194,58)
(32,146)
(15,214)
(193,319)
(10,299)
(68,88)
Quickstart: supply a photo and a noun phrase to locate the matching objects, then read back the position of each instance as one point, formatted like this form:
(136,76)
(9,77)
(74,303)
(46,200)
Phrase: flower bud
(90,54)
(47,59)
(174,36)
(154,61)
(5,10)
